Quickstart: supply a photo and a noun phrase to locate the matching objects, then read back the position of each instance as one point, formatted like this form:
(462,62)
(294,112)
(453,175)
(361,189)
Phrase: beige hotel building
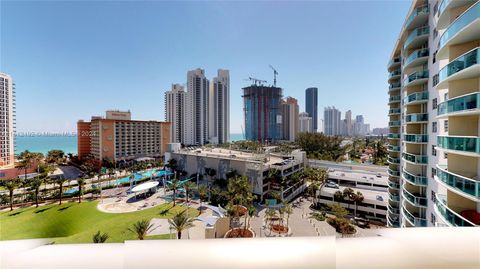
(434,138)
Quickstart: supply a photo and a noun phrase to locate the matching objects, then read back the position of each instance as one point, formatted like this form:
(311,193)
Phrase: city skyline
(109,65)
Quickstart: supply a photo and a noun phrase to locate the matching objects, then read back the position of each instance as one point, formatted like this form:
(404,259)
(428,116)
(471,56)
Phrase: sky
(71,60)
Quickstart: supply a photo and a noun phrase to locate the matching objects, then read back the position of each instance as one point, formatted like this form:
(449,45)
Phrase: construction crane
(256,81)
(275,73)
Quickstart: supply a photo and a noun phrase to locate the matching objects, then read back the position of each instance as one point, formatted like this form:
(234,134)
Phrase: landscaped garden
(78,222)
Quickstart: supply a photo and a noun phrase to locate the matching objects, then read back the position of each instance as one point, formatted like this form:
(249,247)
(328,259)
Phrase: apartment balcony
(417,38)
(416,199)
(465,186)
(464,28)
(415,159)
(444,9)
(416,98)
(453,218)
(393,136)
(394,75)
(394,86)
(416,118)
(464,105)
(393,197)
(392,160)
(416,138)
(464,67)
(393,148)
(393,222)
(394,99)
(464,145)
(417,180)
(395,123)
(393,173)
(394,62)
(393,210)
(394,111)
(418,17)
(417,57)
(413,218)
(394,185)
(416,78)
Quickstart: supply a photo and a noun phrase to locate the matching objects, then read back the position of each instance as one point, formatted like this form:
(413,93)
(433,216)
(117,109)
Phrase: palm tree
(174,184)
(141,228)
(288,210)
(357,198)
(81,183)
(181,222)
(100,238)
(35,183)
(25,163)
(338,196)
(60,181)
(348,194)
(11,185)
(270,214)
(202,193)
(189,187)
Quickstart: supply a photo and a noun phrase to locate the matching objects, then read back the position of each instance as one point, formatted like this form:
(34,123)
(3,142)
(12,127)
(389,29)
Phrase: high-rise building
(290,111)
(348,123)
(311,105)
(434,152)
(263,116)
(305,123)
(118,137)
(332,121)
(7,121)
(220,108)
(196,131)
(175,111)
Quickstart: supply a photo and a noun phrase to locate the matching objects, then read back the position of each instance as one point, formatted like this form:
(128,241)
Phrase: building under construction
(263,115)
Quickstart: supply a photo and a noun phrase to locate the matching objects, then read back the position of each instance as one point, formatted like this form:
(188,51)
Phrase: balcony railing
(395,98)
(393,148)
(394,123)
(393,160)
(457,25)
(393,173)
(460,104)
(424,30)
(415,76)
(416,12)
(395,111)
(415,97)
(416,138)
(417,54)
(423,117)
(418,159)
(394,85)
(451,216)
(419,180)
(393,61)
(395,73)
(393,185)
(466,60)
(415,220)
(393,222)
(459,143)
(460,183)
(394,197)
(416,200)
(394,136)
(443,5)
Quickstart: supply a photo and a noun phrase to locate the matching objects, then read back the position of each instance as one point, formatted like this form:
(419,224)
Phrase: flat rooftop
(232,155)
(360,176)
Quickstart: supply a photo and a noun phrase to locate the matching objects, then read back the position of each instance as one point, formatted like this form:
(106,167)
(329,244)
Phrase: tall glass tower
(311,106)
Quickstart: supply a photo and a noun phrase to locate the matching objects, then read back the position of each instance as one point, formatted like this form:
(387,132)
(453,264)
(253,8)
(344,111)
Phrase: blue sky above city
(72,60)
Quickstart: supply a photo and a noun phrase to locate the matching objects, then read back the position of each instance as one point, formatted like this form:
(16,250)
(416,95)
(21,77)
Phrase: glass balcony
(416,200)
(451,216)
(393,173)
(416,97)
(395,73)
(393,185)
(394,111)
(460,183)
(417,221)
(460,143)
(393,160)
(413,118)
(416,55)
(421,10)
(416,138)
(459,104)
(393,62)
(393,222)
(393,197)
(395,98)
(417,159)
(393,136)
(393,148)
(443,5)
(421,31)
(456,26)
(395,123)
(465,61)
(394,86)
(393,210)
(418,180)
(416,76)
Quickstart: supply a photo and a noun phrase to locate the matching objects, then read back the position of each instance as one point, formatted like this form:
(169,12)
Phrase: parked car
(332,185)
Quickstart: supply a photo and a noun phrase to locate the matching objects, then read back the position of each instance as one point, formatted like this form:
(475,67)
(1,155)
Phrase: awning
(145,186)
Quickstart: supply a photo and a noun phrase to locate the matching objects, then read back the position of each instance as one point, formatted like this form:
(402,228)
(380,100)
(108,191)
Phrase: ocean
(66,143)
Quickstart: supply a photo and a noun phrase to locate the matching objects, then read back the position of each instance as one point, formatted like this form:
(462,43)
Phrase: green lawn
(77,223)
